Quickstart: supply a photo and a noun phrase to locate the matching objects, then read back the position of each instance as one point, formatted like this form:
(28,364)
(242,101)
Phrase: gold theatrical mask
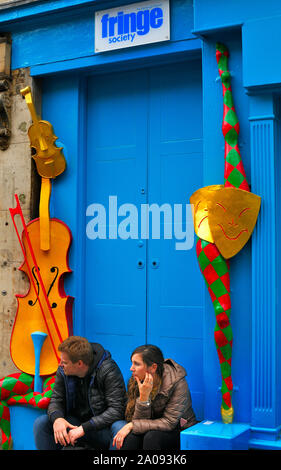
(225,216)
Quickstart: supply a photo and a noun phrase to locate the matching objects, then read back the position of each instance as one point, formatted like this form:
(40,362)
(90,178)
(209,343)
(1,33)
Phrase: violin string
(13,212)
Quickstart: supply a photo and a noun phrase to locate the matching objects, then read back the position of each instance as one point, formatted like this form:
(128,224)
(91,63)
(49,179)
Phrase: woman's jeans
(151,440)
(44,436)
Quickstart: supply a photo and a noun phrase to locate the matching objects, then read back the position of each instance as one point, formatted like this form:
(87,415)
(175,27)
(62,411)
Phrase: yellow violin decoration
(49,159)
(44,315)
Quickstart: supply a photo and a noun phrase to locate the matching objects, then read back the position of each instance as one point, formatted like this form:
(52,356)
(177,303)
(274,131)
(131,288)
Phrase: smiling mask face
(225,216)
(232,217)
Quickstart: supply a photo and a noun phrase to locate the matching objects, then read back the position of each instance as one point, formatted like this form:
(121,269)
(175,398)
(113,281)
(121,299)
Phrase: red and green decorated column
(234,173)
(215,270)
(223,219)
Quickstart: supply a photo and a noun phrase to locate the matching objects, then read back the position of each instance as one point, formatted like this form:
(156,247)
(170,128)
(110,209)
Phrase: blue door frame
(161,300)
(53,37)
(69,92)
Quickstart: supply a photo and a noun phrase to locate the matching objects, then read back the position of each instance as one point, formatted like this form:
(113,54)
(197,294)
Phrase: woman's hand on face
(145,387)
(120,436)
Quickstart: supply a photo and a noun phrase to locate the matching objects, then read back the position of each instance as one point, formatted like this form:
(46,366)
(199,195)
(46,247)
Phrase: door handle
(155,263)
(140,264)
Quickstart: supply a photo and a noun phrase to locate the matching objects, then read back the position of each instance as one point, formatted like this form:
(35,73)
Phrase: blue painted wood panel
(216,14)
(65,37)
(144,143)
(261,52)
(175,307)
(115,293)
(60,106)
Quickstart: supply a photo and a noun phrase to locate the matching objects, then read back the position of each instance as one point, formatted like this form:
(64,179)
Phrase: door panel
(175,304)
(116,166)
(144,145)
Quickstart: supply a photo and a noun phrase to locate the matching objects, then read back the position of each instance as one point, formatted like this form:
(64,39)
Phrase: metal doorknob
(155,263)
(140,264)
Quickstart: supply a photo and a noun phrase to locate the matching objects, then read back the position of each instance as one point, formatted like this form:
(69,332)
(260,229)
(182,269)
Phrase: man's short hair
(77,348)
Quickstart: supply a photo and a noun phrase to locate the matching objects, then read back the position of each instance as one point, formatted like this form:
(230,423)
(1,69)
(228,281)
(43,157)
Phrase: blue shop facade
(140,124)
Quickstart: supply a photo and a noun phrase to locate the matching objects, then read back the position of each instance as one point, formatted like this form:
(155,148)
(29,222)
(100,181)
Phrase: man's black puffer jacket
(106,393)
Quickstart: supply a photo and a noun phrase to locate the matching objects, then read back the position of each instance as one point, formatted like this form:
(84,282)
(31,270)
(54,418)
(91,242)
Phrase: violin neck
(26,92)
(45,235)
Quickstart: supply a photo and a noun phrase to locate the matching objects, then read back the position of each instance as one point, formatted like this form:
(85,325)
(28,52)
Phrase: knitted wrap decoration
(17,389)
(234,173)
(214,267)
(215,270)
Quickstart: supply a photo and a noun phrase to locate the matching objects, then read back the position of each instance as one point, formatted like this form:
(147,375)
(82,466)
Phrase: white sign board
(132,25)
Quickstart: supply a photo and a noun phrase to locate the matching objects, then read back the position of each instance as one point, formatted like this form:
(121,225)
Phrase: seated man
(88,396)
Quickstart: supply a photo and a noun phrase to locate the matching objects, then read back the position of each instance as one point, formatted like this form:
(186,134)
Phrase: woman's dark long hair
(150,355)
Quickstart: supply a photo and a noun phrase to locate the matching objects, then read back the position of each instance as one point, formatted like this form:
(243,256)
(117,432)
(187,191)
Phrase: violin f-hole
(31,302)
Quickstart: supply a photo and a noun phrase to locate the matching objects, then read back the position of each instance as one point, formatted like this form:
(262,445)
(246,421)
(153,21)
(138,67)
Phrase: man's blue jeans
(44,435)
(114,430)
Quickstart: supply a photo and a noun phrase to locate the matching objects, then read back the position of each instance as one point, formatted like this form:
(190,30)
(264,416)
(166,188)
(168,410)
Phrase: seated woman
(159,403)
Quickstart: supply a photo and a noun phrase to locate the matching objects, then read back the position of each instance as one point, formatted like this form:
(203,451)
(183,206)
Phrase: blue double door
(143,161)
